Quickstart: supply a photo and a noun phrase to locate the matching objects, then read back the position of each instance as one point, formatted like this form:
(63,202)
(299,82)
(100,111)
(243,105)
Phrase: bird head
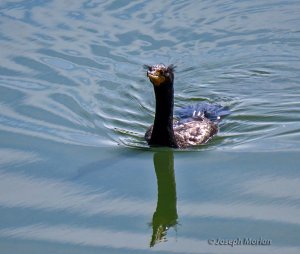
(160,74)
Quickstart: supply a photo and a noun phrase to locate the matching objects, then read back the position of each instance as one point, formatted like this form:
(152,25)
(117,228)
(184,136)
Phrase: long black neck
(162,133)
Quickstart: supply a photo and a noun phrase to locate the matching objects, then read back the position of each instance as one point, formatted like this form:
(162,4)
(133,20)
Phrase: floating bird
(193,126)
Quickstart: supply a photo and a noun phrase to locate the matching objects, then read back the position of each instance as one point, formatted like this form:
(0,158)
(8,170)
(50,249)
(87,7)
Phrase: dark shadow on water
(165,215)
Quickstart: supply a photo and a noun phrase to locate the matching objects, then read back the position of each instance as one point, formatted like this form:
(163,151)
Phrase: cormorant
(196,124)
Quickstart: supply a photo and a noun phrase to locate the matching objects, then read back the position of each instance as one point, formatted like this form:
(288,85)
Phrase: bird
(192,125)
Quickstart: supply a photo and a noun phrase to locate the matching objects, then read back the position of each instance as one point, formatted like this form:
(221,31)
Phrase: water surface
(76,175)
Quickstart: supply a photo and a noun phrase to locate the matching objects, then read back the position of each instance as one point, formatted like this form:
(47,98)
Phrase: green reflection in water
(165,215)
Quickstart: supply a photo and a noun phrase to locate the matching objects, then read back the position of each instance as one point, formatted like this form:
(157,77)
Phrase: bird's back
(195,132)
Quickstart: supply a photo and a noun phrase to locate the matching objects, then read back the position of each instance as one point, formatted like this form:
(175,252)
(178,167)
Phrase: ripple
(15,157)
(91,237)
(72,81)
(58,63)
(83,72)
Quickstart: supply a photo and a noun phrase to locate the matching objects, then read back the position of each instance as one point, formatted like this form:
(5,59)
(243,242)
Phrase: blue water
(76,175)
